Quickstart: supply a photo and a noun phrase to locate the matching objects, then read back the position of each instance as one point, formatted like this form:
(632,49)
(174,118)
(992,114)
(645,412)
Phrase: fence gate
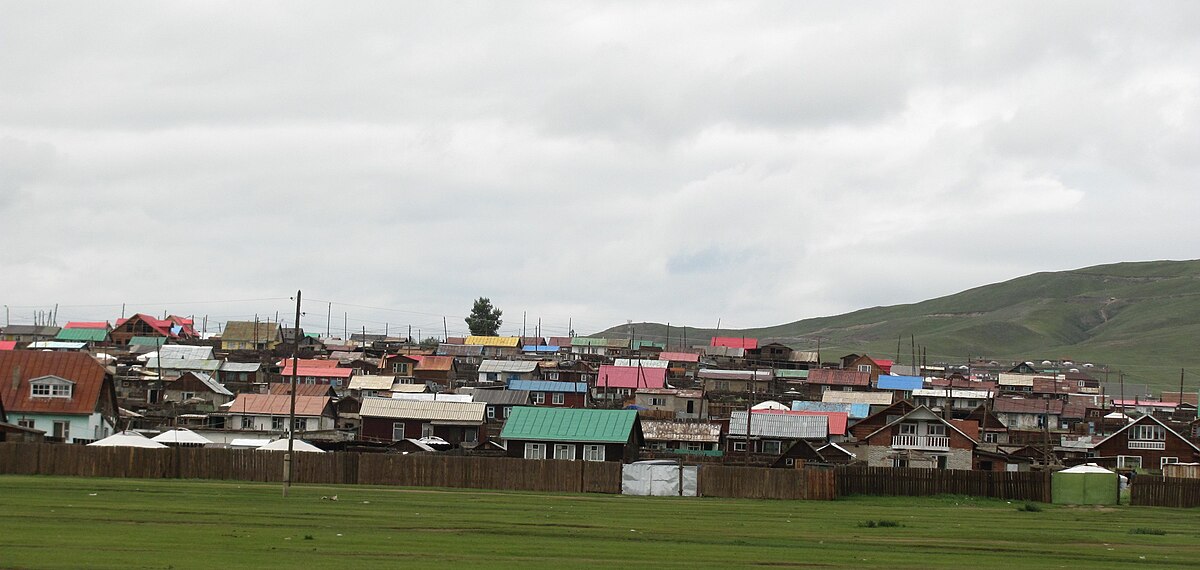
(661,478)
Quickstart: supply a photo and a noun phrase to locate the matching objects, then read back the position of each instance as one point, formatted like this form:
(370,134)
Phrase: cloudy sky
(587,163)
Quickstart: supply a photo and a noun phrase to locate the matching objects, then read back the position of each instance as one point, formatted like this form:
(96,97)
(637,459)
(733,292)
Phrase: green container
(1084,485)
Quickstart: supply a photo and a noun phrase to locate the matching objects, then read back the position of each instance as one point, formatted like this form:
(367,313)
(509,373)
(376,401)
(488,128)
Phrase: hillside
(1143,318)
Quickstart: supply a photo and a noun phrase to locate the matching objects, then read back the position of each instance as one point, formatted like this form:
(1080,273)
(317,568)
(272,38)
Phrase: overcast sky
(756,163)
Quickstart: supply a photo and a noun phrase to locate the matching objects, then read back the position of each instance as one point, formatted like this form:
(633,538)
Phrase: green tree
(484,319)
(431,342)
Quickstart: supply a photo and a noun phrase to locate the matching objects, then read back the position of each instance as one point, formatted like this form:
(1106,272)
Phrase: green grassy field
(53,522)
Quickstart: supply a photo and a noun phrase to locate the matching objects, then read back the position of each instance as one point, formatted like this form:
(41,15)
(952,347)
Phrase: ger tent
(128,439)
(297,445)
(181,436)
(1087,484)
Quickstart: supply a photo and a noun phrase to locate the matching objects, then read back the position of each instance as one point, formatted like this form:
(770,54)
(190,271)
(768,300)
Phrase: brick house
(1147,443)
(920,438)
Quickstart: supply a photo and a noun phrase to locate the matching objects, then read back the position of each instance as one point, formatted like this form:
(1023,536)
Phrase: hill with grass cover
(1142,318)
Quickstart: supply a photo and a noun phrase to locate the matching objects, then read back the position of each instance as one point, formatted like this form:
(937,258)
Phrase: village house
(270,412)
(316,372)
(614,383)
(920,438)
(736,381)
(555,394)
(197,386)
(1029,414)
(682,436)
(69,396)
(771,433)
(90,336)
(372,385)
(151,330)
(877,419)
(499,403)
(242,376)
(1147,443)
(874,367)
(956,400)
(672,403)
(498,347)
(390,420)
(824,380)
(398,365)
(24,334)
(251,335)
(573,434)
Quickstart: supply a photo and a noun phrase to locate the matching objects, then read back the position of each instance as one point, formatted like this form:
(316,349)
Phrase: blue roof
(532,348)
(901,382)
(548,386)
(856,411)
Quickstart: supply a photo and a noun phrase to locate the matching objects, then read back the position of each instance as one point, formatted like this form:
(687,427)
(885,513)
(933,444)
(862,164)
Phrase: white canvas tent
(128,439)
(297,445)
(181,436)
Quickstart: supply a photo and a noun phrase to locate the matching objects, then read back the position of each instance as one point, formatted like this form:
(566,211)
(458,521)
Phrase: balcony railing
(1156,445)
(920,442)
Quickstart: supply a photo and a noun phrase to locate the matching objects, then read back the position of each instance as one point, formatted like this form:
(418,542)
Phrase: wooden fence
(1023,486)
(1169,492)
(766,483)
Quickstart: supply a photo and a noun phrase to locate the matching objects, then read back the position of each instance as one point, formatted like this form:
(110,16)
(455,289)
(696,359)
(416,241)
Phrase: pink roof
(679,356)
(837,377)
(303,363)
(8,345)
(630,377)
(732,342)
(278,404)
(86,325)
(316,371)
(1127,403)
(837,421)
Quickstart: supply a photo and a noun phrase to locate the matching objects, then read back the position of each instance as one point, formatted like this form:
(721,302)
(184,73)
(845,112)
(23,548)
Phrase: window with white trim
(564,451)
(427,430)
(62,430)
(247,422)
(658,401)
(739,446)
(864,368)
(535,451)
(771,447)
(989,437)
(1129,462)
(50,387)
(593,453)
(935,429)
(491,412)
(908,429)
(25,423)
(1147,432)
(301,424)
(539,398)
(185,396)
(693,446)
(278,424)
(507,411)
(397,431)
(1166,460)
(558,398)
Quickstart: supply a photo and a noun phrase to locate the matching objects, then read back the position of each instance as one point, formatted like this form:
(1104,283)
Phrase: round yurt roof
(297,445)
(181,435)
(128,439)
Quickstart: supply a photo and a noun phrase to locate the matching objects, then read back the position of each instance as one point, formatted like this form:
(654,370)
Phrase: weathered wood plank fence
(1024,486)
(1169,492)
(766,483)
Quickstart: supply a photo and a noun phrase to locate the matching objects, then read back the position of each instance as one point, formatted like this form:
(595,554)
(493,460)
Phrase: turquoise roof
(147,341)
(569,424)
(85,335)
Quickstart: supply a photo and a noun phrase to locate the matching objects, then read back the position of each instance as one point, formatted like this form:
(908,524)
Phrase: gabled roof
(446,412)
(854,411)
(666,430)
(285,388)
(1147,419)
(436,363)
(147,340)
(370,382)
(169,351)
(37,330)
(208,381)
(8,345)
(251,331)
(643,362)
(548,386)
(277,405)
(922,413)
(500,397)
(779,425)
(734,342)
(570,424)
(836,421)
(85,372)
(88,325)
(459,350)
(1027,406)
(497,341)
(163,327)
(241,366)
(508,366)
(630,377)
(86,335)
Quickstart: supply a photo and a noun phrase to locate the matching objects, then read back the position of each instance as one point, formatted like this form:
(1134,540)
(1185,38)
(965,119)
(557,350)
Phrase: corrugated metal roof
(569,424)
(836,421)
(784,426)
(36,330)
(508,366)
(1007,379)
(548,386)
(183,364)
(212,383)
(56,345)
(8,345)
(147,340)
(459,350)
(586,341)
(535,348)
(791,374)
(872,398)
(954,393)
(630,377)
(251,331)
(803,356)
(856,411)
(501,397)
(734,342)
(87,325)
(461,412)
(24,365)
(371,382)
(240,367)
(835,377)
(88,335)
(900,382)
(432,397)
(409,388)
(704,432)
(726,351)
(643,362)
(679,356)
(184,351)
(435,363)
(499,341)
(277,405)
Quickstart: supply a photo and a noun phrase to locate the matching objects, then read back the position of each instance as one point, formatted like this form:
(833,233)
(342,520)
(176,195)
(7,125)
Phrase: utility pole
(287,458)
(328,320)
(445,330)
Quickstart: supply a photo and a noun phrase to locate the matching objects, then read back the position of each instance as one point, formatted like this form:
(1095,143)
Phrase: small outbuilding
(1087,484)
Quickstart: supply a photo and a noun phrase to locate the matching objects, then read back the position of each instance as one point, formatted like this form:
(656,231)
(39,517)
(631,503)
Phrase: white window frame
(934,428)
(278,423)
(397,427)
(558,398)
(300,424)
(593,452)
(25,423)
(739,446)
(564,451)
(908,428)
(864,368)
(427,429)
(1163,462)
(64,432)
(1147,432)
(539,398)
(989,437)
(185,396)
(491,412)
(771,444)
(658,401)
(1122,459)
(535,450)
(247,422)
(693,446)
(507,411)
(51,387)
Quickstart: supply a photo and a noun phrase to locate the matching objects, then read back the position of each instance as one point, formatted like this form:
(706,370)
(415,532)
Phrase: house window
(507,410)
(301,424)
(552,375)
(539,398)
(692,446)
(471,434)
(278,424)
(1129,462)
(247,422)
(535,451)
(771,447)
(492,376)
(739,446)
(935,429)
(185,396)
(62,430)
(397,431)
(559,399)
(789,462)
(658,401)
(1164,461)
(25,423)
(593,453)
(864,368)
(50,388)
(426,430)
(491,412)
(989,437)
(1147,432)
(908,429)
(691,406)
(564,451)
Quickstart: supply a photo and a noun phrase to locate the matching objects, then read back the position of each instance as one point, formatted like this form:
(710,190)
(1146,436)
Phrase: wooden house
(270,412)
(68,395)
(251,335)
(194,385)
(1147,443)
(920,438)
(573,434)
(553,394)
(389,420)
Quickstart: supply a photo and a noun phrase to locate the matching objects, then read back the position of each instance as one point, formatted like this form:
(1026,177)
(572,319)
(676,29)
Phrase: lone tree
(484,319)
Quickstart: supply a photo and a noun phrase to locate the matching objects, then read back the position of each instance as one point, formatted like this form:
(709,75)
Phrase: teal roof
(785,373)
(638,344)
(585,341)
(86,335)
(147,340)
(569,424)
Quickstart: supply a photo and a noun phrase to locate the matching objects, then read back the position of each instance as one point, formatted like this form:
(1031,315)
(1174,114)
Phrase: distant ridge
(1140,317)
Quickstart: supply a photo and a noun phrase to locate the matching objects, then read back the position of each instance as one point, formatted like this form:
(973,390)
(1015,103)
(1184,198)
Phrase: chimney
(16,379)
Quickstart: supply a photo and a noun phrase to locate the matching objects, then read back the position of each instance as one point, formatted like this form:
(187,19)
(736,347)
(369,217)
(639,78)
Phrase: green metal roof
(87,335)
(637,344)
(585,341)
(569,424)
(147,341)
(783,373)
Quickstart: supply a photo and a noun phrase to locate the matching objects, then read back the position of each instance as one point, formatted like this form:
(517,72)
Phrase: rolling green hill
(1143,318)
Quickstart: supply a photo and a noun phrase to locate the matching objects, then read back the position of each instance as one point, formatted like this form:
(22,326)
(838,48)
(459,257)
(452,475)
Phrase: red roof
(884,364)
(278,405)
(837,421)
(732,342)
(440,363)
(679,356)
(630,377)
(86,325)
(835,377)
(301,389)
(316,371)
(8,345)
(161,326)
(303,363)
(25,365)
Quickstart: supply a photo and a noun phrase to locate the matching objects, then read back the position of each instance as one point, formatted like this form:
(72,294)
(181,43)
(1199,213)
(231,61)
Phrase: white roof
(372,382)
(297,445)
(128,439)
(57,345)
(1007,379)
(409,388)
(427,397)
(182,352)
(240,366)
(211,383)
(844,397)
(181,435)
(514,366)
(645,363)
(249,442)
(954,393)
(784,426)
(440,411)
(1086,468)
(769,405)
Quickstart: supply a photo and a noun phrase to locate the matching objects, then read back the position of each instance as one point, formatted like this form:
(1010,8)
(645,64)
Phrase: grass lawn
(59,522)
